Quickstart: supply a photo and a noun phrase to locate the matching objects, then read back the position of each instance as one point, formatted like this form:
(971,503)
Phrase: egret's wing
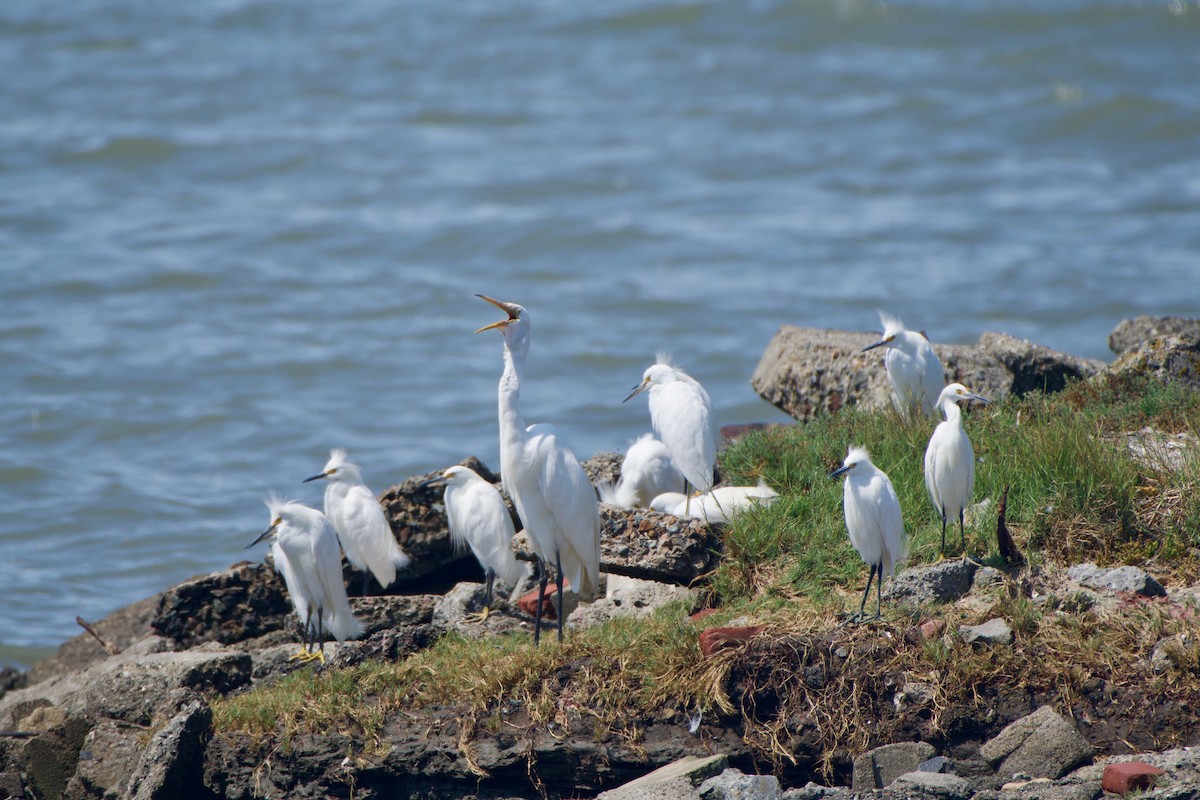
(491,531)
(931,468)
(681,415)
(891,525)
(570,507)
(338,618)
(933,376)
(369,535)
(284,567)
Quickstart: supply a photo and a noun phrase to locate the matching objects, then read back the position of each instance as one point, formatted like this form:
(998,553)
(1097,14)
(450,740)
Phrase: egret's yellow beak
(508,308)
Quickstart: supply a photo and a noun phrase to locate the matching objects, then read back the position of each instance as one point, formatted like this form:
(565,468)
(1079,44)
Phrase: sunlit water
(235,234)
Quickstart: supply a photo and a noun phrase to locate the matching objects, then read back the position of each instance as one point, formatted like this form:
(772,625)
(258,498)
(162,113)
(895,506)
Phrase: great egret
(646,472)
(913,368)
(479,519)
(718,505)
(681,416)
(361,525)
(548,486)
(950,461)
(873,520)
(305,550)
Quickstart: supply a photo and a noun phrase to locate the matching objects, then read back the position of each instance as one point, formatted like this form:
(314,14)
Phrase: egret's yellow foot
(301,655)
(941,557)
(478,617)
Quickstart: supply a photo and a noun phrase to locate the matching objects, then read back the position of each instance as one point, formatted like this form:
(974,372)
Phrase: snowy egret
(950,461)
(305,550)
(681,415)
(718,505)
(546,482)
(479,519)
(361,525)
(646,472)
(872,519)
(913,368)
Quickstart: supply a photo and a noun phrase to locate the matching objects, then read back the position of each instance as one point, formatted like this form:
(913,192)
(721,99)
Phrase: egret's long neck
(512,424)
(953,413)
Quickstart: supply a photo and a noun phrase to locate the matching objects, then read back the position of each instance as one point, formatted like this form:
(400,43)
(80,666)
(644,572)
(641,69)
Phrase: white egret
(479,519)
(681,416)
(547,484)
(361,525)
(873,520)
(305,550)
(718,505)
(646,472)
(950,461)
(913,368)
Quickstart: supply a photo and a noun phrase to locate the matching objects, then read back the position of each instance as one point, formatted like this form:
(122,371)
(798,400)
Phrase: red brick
(528,602)
(702,613)
(1129,776)
(714,639)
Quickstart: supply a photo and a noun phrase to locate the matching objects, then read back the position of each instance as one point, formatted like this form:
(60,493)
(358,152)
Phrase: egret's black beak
(837,473)
(641,387)
(262,537)
(314,478)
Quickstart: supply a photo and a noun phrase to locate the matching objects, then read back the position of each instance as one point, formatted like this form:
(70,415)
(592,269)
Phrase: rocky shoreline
(124,709)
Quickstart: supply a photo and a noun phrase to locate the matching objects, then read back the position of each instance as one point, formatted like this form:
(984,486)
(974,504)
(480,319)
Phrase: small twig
(18,734)
(111,648)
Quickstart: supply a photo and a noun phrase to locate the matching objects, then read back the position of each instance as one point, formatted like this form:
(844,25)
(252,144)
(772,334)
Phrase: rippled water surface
(235,233)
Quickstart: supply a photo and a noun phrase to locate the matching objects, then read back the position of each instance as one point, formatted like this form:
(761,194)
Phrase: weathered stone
(1163,452)
(452,609)
(603,468)
(934,583)
(243,602)
(1042,744)
(50,757)
(733,784)
(815,791)
(936,784)
(673,781)
(994,631)
(877,768)
(808,371)
(1130,333)
(120,629)
(109,754)
(1169,359)
(631,597)
(172,765)
(1117,579)
(645,544)
(12,786)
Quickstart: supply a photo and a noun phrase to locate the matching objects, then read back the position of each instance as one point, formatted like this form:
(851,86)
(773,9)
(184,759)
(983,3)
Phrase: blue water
(234,234)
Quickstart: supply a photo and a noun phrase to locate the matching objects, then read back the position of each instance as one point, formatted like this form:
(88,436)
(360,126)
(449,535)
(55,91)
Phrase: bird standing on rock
(913,368)
(361,525)
(873,520)
(950,462)
(547,484)
(646,472)
(681,416)
(305,551)
(479,519)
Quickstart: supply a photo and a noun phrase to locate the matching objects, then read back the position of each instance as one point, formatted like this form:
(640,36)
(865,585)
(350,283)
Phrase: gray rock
(120,629)
(644,544)
(1117,579)
(1043,789)
(1163,452)
(675,781)
(172,764)
(877,768)
(243,602)
(937,784)
(1130,333)
(50,757)
(1042,744)
(450,612)
(1169,359)
(994,631)
(631,597)
(942,582)
(109,754)
(810,371)
(935,764)
(815,791)
(733,784)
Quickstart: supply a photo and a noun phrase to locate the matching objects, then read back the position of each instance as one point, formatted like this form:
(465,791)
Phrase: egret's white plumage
(718,505)
(681,416)
(361,525)
(913,368)
(646,472)
(873,519)
(479,520)
(950,461)
(547,484)
(305,549)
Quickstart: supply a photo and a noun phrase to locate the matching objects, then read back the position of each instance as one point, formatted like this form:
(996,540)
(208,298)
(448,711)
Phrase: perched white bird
(873,520)
(552,493)
(681,415)
(479,519)
(913,368)
(646,472)
(361,525)
(305,550)
(718,505)
(950,461)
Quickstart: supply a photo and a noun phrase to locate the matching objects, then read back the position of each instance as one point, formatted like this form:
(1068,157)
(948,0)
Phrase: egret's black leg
(962,529)
(687,498)
(943,532)
(863,603)
(487,592)
(543,578)
(879,591)
(366,587)
(321,633)
(558,579)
